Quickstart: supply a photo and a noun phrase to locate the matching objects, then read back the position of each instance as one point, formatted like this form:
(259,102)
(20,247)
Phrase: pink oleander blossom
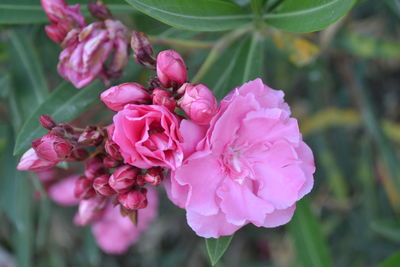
(249,166)
(148,136)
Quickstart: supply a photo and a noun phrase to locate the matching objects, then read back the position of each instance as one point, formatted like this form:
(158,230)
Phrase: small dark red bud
(142,50)
(83,188)
(163,98)
(140,181)
(134,199)
(94,167)
(99,10)
(47,122)
(79,154)
(154,176)
(91,136)
(123,178)
(110,162)
(100,184)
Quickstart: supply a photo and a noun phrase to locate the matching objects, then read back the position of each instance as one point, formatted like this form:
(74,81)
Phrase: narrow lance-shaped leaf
(310,244)
(392,261)
(307,15)
(199,15)
(63,104)
(216,247)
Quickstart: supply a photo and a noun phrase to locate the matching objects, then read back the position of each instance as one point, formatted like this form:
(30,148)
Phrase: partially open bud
(100,184)
(99,10)
(84,188)
(47,122)
(91,136)
(163,98)
(94,167)
(52,148)
(118,96)
(31,162)
(171,69)
(142,50)
(134,199)
(123,177)
(154,176)
(198,102)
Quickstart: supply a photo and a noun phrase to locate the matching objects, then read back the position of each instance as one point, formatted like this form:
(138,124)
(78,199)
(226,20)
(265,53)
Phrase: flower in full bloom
(198,102)
(171,69)
(84,57)
(148,136)
(118,96)
(249,166)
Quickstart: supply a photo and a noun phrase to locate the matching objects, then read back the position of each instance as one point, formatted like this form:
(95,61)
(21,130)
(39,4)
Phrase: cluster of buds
(87,47)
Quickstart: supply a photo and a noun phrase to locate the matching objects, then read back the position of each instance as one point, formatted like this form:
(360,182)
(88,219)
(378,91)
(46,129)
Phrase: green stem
(188,44)
(217,50)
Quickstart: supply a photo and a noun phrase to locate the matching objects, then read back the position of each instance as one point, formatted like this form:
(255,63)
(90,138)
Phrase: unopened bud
(171,69)
(94,167)
(110,162)
(134,199)
(47,122)
(142,50)
(123,177)
(163,98)
(79,154)
(84,188)
(100,184)
(91,136)
(52,148)
(99,10)
(154,176)
(140,181)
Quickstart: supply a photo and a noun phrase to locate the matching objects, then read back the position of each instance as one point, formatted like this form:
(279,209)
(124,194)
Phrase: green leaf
(392,261)
(28,12)
(199,15)
(307,15)
(63,104)
(310,243)
(4,84)
(240,63)
(389,229)
(27,70)
(216,247)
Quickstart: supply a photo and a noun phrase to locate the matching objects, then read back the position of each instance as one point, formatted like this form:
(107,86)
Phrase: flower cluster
(229,164)
(87,47)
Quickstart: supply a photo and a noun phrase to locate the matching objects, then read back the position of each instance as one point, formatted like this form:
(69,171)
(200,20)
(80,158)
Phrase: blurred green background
(342,83)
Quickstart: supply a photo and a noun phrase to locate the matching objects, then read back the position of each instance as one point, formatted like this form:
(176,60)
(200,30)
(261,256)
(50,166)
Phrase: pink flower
(148,136)
(31,162)
(63,17)
(118,96)
(84,58)
(250,166)
(198,102)
(62,192)
(115,233)
(171,69)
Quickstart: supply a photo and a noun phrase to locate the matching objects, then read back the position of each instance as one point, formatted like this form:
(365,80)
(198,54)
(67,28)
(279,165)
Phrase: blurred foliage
(342,84)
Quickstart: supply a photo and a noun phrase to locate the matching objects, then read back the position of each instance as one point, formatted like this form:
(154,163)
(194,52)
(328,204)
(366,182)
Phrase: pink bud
(54,9)
(112,149)
(134,199)
(171,69)
(91,136)
(89,210)
(163,98)
(118,96)
(154,176)
(31,162)
(94,167)
(100,184)
(123,177)
(79,154)
(84,188)
(110,162)
(55,33)
(47,122)
(52,148)
(198,102)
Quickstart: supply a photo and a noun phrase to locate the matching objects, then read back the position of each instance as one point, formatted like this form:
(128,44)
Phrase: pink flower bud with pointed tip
(55,33)
(94,167)
(63,192)
(79,154)
(84,188)
(90,210)
(118,96)
(47,122)
(101,185)
(171,69)
(134,200)
(123,177)
(31,162)
(154,176)
(198,102)
(52,148)
(163,98)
